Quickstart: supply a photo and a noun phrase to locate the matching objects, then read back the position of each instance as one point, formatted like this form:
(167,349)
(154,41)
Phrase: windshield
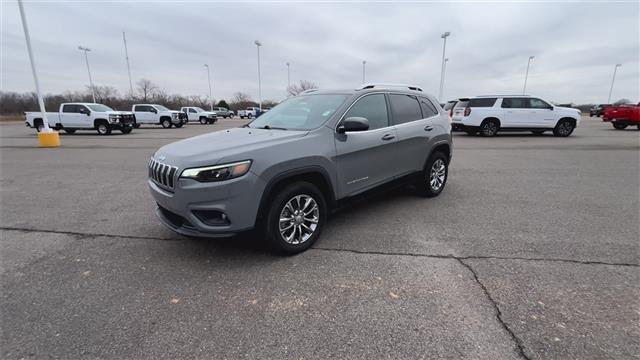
(198,109)
(301,112)
(99,108)
(161,108)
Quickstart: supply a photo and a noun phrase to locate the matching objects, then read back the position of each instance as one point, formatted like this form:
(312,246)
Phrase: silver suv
(286,170)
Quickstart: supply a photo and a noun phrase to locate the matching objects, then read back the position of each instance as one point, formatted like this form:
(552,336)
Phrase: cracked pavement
(531,252)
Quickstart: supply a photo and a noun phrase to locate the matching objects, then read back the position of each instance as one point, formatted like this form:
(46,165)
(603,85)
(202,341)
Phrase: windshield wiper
(267,127)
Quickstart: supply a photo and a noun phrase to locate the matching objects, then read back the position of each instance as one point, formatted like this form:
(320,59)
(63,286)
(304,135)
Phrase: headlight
(217,172)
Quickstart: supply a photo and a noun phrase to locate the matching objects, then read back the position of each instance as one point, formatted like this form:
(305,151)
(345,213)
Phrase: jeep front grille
(162,174)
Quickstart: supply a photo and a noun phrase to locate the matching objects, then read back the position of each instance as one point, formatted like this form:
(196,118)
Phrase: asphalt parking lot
(532,251)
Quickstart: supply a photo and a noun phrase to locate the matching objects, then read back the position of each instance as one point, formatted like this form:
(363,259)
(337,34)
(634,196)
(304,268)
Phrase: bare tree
(304,85)
(146,89)
(104,93)
(241,100)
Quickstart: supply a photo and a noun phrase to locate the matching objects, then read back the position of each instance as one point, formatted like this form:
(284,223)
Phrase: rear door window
(428,110)
(405,108)
(373,108)
(515,103)
(482,102)
(70,109)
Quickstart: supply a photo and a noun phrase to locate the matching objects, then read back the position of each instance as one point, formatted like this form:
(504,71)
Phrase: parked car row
(91,116)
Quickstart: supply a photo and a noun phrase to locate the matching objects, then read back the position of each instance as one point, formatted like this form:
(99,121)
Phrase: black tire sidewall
(424,184)
(485,123)
(276,242)
(556,130)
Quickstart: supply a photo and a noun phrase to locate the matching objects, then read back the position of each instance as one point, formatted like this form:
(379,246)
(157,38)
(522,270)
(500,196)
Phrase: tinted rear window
(405,108)
(462,104)
(482,102)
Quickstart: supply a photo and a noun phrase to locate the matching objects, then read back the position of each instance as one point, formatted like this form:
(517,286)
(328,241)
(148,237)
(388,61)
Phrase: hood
(567,108)
(209,149)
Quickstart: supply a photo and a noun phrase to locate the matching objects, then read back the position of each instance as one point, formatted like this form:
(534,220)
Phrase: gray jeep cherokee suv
(287,169)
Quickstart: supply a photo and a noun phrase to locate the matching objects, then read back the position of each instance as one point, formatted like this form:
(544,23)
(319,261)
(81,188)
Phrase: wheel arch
(97,121)
(315,175)
(572,120)
(491,118)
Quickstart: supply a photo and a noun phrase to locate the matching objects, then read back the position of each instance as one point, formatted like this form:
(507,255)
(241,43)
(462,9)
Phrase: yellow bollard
(49,139)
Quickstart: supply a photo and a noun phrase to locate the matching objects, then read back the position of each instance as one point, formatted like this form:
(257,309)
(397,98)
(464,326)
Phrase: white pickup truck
(195,113)
(84,116)
(250,112)
(158,115)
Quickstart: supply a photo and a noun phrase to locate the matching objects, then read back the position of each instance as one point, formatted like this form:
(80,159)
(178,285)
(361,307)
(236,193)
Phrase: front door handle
(428,128)
(388,137)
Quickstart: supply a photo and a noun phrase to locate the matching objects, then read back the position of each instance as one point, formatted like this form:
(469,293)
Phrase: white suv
(490,114)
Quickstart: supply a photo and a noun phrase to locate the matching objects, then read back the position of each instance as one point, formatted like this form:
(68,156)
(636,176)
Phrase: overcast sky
(576,46)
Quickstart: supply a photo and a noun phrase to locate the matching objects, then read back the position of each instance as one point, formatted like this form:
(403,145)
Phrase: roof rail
(308,91)
(371,86)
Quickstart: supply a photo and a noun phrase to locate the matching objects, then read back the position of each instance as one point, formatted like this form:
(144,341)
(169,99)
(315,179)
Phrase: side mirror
(353,124)
(154,110)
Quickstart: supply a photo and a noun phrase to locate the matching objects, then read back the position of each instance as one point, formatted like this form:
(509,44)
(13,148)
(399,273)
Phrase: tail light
(467,111)
(451,113)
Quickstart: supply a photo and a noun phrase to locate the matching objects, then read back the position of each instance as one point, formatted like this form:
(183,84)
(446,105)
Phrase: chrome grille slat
(162,174)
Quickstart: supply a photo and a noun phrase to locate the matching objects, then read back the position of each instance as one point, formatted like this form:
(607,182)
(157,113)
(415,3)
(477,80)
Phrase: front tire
(103,128)
(564,128)
(296,218)
(203,120)
(434,175)
(619,126)
(166,123)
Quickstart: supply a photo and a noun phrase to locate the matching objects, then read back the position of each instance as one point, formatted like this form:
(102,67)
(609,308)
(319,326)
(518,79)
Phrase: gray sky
(576,46)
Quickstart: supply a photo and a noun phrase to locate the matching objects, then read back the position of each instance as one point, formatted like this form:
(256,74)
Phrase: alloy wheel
(299,219)
(437,175)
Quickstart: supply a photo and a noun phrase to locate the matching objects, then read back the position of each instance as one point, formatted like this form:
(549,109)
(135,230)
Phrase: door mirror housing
(353,124)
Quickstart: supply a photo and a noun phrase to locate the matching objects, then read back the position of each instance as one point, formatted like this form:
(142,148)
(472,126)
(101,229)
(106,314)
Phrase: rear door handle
(428,128)
(388,137)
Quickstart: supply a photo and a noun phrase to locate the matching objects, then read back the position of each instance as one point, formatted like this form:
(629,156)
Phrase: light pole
(444,36)
(288,76)
(45,121)
(126,55)
(209,78)
(444,72)
(364,62)
(86,58)
(526,75)
(258,44)
(615,69)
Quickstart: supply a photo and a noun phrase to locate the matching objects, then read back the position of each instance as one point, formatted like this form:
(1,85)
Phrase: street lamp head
(364,62)
(618,65)
(206,65)
(531,57)
(445,34)
(288,64)
(83,48)
(446,59)
(258,43)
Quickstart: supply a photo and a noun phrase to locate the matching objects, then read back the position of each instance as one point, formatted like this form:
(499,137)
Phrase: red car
(622,116)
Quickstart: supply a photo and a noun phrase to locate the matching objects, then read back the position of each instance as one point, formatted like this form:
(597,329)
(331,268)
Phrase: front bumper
(238,199)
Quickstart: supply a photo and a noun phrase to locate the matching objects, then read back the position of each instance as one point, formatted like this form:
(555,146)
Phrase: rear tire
(70,131)
(489,128)
(619,126)
(38,125)
(295,218)
(564,128)
(434,176)
(203,120)
(103,128)
(166,123)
